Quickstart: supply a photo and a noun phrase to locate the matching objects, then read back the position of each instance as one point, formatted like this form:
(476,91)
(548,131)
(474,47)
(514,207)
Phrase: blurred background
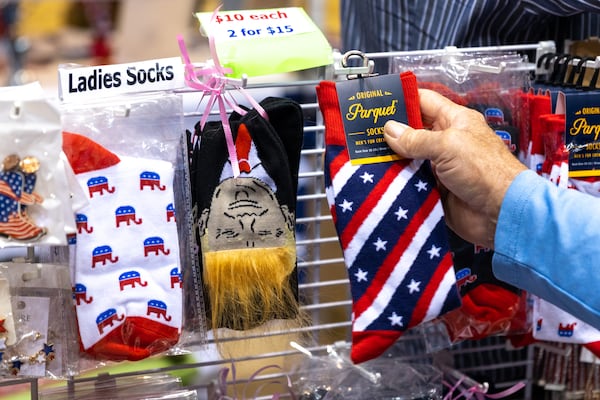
(38,35)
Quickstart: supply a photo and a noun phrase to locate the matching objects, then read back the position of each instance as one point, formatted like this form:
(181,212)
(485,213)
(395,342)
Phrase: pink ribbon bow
(212,81)
(478,392)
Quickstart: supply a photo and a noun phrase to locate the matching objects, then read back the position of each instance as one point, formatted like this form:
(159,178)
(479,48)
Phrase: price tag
(252,24)
(283,40)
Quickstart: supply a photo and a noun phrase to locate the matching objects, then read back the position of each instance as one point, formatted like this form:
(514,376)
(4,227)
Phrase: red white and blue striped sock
(391,227)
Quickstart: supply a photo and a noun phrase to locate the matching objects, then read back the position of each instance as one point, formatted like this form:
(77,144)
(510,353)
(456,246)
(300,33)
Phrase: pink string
(211,80)
(215,88)
(477,393)
(222,383)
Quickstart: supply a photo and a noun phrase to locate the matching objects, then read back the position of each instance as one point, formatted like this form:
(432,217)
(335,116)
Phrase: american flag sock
(390,224)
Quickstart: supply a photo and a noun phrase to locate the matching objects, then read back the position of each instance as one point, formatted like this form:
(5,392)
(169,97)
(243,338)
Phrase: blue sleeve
(547,242)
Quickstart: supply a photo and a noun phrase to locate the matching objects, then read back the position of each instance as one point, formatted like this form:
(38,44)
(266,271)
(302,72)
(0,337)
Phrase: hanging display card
(76,82)
(582,131)
(366,104)
(267,41)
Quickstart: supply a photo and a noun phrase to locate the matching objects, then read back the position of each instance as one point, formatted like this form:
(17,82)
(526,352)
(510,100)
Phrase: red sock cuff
(330,108)
(540,105)
(411,99)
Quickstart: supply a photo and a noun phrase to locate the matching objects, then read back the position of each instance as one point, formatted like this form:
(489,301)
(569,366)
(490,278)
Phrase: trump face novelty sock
(390,224)
(246,223)
(127,289)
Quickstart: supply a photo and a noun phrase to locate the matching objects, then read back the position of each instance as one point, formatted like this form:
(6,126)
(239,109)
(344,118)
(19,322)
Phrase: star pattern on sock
(367,177)
(361,275)
(396,319)
(401,213)
(413,286)
(380,244)
(346,205)
(434,251)
(2,328)
(396,217)
(421,185)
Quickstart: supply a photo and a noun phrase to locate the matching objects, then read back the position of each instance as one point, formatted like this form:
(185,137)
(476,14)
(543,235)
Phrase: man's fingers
(411,143)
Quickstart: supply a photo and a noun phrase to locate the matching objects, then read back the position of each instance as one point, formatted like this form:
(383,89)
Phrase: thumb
(408,142)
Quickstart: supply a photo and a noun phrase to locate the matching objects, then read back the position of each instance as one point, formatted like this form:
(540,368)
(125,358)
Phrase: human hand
(473,166)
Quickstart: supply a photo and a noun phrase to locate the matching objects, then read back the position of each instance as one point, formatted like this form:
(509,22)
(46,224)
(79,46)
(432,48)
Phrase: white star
(434,251)
(366,177)
(421,185)
(2,343)
(413,286)
(380,244)
(401,213)
(396,319)
(346,205)
(361,275)
(40,358)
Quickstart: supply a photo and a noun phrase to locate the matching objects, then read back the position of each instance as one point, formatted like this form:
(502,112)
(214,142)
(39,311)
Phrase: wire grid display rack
(323,283)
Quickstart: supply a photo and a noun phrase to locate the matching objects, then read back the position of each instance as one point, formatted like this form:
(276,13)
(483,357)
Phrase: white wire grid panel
(323,283)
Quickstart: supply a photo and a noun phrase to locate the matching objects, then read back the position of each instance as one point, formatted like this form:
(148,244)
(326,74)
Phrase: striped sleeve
(404,25)
(561,8)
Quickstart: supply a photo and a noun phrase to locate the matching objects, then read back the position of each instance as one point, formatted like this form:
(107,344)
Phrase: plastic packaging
(334,376)
(132,255)
(35,208)
(38,331)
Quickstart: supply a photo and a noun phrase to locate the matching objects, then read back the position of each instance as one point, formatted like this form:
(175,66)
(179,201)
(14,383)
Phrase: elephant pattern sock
(127,289)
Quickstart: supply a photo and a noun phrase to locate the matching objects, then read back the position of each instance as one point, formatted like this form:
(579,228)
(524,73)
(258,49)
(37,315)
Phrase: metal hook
(582,71)
(559,69)
(365,70)
(544,60)
(575,68)
(594,79)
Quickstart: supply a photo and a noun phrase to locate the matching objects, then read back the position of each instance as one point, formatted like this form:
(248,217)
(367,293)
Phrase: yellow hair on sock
(248,287)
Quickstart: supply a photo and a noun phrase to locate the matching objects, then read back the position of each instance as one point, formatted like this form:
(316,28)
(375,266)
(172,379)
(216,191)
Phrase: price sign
(249,24)
(283,39)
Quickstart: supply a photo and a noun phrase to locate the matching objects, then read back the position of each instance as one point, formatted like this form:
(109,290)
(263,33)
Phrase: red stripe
(333,213)
(430,290)
(337,163)
(366,208)
(6,190)
(18,226)
(386,268)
